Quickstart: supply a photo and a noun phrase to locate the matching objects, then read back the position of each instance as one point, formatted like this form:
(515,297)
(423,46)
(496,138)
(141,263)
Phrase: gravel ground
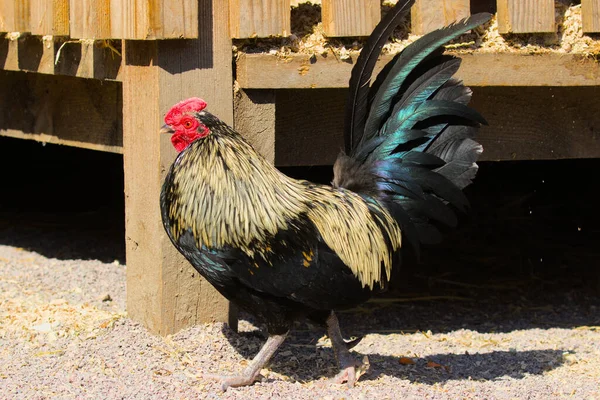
(64,333)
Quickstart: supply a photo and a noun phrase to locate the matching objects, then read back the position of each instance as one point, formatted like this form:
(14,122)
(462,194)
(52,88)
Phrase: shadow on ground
(437,368)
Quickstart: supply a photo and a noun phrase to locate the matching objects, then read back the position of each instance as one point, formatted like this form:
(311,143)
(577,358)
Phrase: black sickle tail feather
(410,136)
(357,105)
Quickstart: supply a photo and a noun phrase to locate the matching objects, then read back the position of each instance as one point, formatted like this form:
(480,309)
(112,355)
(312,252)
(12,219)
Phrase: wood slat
(262,71)
(159,19)
(14,15)
(89,19)
(590,14)
(350,17)
(49,17)
(428,15)
(259,18)
(526,16)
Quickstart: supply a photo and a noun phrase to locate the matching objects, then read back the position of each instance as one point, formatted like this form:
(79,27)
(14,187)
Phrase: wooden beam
(429,15)
(49,17)
(526,16)
(351,17)
(525,123)
(259,18)
(89,19)
(62,110)
(264,71)
(590,14)
(158,19)
(164,292)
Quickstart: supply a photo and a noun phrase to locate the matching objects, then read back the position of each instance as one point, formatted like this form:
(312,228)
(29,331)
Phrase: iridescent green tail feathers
(410,135)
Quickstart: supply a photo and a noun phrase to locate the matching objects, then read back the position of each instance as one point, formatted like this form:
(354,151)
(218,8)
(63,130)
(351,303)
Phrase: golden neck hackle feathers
(229,195)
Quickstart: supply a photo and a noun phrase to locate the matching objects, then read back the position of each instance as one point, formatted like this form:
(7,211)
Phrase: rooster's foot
(252,373)
(228,381)
(350,368)
(351,372)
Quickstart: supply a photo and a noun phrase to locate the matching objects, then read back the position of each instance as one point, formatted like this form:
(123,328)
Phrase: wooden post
(164,292)
(350,17)
(590,14)
(429,15)
(49,17)
(526,16)
(259,18)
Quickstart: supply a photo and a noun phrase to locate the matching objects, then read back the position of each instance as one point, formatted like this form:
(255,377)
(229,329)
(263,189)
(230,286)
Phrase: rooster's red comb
(192,104)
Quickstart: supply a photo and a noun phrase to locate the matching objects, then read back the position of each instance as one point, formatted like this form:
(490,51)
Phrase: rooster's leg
(351,369)
(252,372)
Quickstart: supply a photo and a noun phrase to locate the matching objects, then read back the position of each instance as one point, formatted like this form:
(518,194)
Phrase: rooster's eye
(188,124)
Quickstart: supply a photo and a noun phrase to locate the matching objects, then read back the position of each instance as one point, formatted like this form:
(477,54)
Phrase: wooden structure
(90,73)
(525,16)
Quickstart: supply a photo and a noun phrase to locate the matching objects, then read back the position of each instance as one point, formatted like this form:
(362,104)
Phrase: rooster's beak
(166,129)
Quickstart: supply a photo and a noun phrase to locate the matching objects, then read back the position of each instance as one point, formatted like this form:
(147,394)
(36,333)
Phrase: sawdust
(308,37)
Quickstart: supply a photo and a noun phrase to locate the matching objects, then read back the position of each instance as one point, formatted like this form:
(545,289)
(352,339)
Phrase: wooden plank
(14,15)
(49,17)
(6,15)
(526,16)
(429,15)
(525,123)
(180,19)
(350,17)
(163,291)
(590,14)
(263,71)
(63,110)
(259,18)
(89,19)
(159,19)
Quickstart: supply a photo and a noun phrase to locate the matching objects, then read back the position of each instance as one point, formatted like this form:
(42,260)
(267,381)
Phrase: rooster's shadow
(300,359)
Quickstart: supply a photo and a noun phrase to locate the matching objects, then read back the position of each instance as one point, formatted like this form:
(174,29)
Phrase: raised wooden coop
(100,74)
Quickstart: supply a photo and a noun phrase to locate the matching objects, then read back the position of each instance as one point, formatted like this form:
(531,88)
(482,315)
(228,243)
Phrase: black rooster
(284,249)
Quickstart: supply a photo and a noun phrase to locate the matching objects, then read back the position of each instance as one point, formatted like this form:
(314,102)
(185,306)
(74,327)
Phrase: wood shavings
(308,37)
(38,322)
